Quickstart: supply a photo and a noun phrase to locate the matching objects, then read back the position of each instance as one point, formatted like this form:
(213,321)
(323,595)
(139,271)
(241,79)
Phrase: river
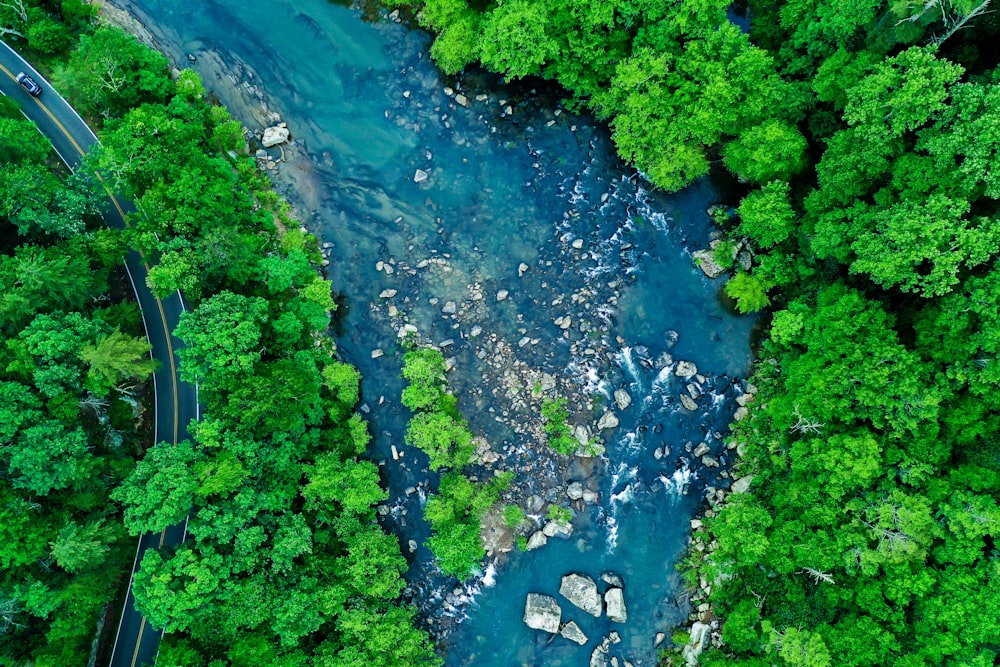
(520,216)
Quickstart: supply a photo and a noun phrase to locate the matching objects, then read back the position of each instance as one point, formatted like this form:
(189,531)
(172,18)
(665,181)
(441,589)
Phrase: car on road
(29,84)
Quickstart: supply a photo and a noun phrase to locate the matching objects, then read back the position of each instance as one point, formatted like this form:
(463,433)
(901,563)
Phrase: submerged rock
(581,590)
(572,632)
(542,612)
(614,598)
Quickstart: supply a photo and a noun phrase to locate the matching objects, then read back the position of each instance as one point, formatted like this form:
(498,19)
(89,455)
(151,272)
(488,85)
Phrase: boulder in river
(706,261)
(612,579)
(274,136)
(572,632)
(685,369)
(581,590)
(558,529)
(419,176)
(614,598)
(536,541)
(688,403)
(574,491)
(542,612)
(608,420)
(599,657)
(622,399)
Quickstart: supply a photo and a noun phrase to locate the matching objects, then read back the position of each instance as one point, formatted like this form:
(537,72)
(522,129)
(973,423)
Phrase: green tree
(161,490)
(115,358)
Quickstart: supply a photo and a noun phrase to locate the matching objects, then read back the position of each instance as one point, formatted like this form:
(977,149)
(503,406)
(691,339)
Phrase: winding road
(176,402)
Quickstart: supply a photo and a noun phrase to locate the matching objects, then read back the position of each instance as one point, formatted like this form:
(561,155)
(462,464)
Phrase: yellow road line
(138,642)
(114,200)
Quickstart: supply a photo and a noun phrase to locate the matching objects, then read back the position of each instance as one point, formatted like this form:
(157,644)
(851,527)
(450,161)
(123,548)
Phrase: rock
(542,612)
(700,636)
(582,434)
(192,58)
(564,322)
(745,260)
(741,413)
(589,497)
(575,491)
(608,420)
(700,450)
(658,453)
(577,243)
(685,369)
(462,99)
(536,541)
(522,268)
(589,451)
(599,658)
(413,545)
(581,590)
(449,308)
(660,636)
(274,136)
(419,176)
(709,461)
(475,331)
(548,382)
(613,579)
(696,524)
(741,485)
(556,529)
(705,260)
(572,632)
(502,295)
(688,403)
(387,294)
(614,638)
(614,598)
(376,353)
(261,154)
(622,399)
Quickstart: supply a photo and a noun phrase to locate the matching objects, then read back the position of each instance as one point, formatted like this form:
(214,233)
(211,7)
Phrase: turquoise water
(511,181)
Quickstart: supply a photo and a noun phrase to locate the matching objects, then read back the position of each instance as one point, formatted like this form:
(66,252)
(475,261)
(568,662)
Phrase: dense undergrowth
(866,136)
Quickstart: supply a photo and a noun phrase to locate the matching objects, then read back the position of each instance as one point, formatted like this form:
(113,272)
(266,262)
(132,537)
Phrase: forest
(281,521)
(864,137)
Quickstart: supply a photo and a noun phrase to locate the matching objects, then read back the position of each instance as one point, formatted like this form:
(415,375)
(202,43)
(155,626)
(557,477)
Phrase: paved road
(176,402)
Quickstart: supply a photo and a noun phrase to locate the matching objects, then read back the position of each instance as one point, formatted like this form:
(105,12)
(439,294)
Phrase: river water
(522,197)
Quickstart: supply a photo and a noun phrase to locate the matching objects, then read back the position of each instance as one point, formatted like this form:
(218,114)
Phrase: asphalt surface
(136,642)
